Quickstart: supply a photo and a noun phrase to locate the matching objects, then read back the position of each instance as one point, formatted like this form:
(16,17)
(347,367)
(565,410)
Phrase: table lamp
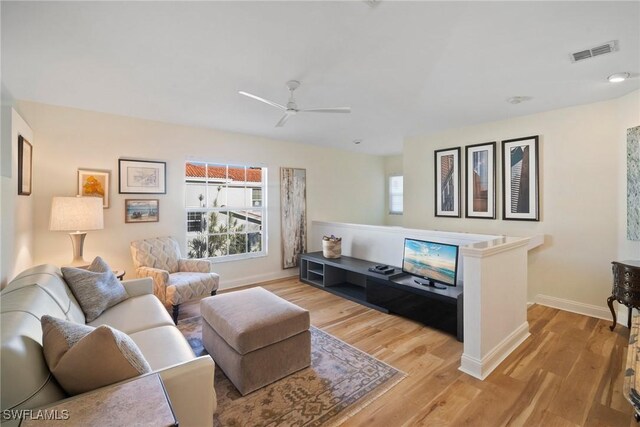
(76,214)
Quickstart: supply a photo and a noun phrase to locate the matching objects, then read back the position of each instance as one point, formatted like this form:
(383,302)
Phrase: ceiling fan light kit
(292,108)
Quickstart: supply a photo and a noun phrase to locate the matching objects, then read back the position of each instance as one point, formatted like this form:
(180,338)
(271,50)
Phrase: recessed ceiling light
(518,99)
(357,141)
(618,77)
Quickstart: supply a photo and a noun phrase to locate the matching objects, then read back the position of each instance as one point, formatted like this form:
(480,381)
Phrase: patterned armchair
(175,279)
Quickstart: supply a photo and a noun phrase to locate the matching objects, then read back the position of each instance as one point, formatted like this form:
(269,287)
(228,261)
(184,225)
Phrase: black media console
(396,293)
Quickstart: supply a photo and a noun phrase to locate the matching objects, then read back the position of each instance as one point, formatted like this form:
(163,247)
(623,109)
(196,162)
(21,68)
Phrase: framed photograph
(142,177)
(141,210)
(480,182)
(520,182)
(94,183)
(25,164)
(447,179)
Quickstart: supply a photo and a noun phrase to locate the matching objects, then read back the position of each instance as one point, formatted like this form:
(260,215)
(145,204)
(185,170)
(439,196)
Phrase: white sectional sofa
(26,382)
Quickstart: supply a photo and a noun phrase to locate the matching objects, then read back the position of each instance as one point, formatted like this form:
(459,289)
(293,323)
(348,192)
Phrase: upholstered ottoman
(255,337)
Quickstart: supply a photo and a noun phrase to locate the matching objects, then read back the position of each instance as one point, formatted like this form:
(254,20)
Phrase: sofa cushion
(135,314)
(83,358)
(163,346)
(95,288)
(253,318)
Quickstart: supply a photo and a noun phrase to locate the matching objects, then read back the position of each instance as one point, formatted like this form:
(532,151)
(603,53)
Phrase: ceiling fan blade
(283,120)
(327,110)
(266,101)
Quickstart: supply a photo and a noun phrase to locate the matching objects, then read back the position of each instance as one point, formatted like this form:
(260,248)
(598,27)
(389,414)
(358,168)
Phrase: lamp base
(77,240)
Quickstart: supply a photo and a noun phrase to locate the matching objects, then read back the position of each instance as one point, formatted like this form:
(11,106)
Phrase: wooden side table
(626,287)
(142,400)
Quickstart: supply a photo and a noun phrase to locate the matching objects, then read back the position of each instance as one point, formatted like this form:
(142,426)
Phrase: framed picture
(142,177)
(94,183)
(25,163)
(141,210)
(480,182)
(520,179)
(447,179)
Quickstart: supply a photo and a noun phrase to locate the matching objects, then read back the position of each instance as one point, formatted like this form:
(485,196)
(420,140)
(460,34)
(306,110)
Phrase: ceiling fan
(292,108)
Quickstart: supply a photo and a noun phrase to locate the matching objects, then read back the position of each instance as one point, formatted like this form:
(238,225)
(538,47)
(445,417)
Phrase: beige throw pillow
(83,358)
(96,288)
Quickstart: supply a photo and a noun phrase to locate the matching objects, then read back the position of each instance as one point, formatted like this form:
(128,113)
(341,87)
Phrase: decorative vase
(332,248)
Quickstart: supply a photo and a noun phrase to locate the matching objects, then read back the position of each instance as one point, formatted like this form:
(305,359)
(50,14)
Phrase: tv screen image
(431,260)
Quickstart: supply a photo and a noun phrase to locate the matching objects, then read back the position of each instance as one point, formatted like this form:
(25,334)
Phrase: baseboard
(574,306)
(481,368)
(250,280)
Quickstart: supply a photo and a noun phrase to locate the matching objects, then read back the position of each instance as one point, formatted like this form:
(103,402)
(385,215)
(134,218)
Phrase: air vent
(609,47)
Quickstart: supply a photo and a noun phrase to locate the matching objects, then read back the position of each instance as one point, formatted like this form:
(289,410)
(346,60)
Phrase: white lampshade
(76,214)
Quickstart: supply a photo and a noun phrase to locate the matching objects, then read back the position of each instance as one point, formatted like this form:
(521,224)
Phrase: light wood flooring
(568,373)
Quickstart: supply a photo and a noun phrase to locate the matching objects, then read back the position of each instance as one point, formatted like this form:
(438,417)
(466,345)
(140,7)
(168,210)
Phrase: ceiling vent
(608,47)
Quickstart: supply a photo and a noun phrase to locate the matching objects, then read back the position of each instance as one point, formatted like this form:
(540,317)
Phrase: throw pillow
(96,288)
(83,358)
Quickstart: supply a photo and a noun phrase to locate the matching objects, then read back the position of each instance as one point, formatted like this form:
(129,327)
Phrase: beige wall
(16,212)
(341,185)
(581,200)
(392,166)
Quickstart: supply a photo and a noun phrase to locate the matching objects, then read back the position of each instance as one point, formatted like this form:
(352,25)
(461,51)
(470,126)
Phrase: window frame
(391,194)
(206,209)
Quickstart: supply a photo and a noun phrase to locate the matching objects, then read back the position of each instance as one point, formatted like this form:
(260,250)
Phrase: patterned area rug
(340,382)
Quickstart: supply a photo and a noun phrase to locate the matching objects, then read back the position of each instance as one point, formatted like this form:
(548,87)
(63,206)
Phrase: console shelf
(396,293)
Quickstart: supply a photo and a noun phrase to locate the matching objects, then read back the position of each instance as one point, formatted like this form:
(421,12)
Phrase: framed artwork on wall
(293,214)
(141,210)
(94,183)
(447,182)
(520,179)
(480,180)
(142,177)
(25,164)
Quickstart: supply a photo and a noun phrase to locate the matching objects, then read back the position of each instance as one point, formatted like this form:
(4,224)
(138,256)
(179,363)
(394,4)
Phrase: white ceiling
(405,68)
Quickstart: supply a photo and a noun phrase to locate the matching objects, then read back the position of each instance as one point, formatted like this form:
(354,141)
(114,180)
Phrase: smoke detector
(608,47)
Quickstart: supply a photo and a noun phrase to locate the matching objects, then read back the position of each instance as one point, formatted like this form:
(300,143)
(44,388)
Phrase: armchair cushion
(183,287)
(95,288)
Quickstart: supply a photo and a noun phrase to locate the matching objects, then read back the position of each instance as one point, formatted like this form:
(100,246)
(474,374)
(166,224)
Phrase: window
(395,194)
(226,210)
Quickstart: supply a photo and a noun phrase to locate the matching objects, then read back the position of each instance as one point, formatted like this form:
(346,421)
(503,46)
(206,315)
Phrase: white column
(495,302)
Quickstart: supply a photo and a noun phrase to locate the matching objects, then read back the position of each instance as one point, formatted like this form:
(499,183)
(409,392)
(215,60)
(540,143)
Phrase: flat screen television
(430,261)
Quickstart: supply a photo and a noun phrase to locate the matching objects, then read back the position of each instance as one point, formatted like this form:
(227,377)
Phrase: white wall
(392,166)
(341,185)
(16,212)
(385,244)
(581,199)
